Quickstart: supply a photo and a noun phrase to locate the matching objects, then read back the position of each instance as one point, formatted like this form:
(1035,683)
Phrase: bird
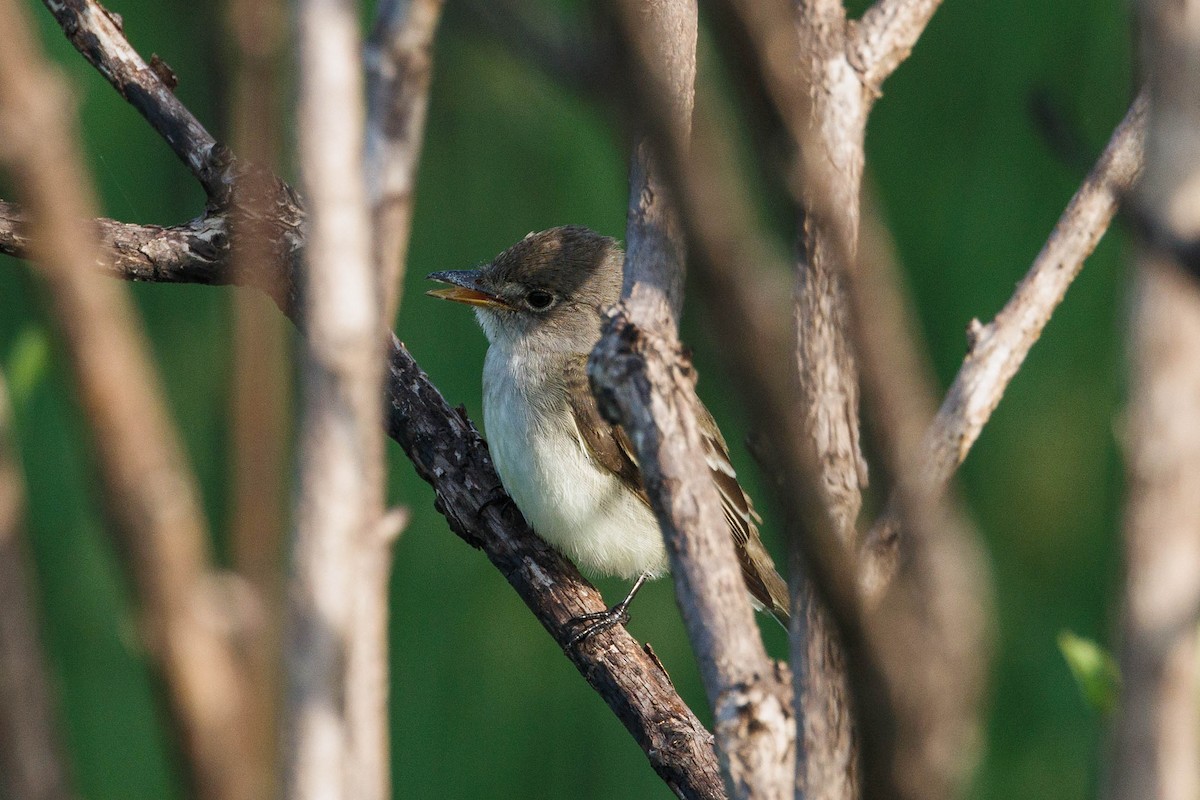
(573,474)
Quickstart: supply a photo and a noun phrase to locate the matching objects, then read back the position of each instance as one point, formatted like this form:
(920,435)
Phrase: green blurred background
(975,148)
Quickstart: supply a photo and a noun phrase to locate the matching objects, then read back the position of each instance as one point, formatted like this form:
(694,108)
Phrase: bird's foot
(596,622)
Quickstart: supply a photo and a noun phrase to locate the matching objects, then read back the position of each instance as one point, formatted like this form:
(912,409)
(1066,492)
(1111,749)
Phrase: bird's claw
(598,621)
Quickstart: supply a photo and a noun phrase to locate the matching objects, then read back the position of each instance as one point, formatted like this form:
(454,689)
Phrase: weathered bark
(642,379)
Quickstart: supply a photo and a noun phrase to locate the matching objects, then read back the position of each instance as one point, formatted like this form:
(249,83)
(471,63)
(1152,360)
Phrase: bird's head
(551,287)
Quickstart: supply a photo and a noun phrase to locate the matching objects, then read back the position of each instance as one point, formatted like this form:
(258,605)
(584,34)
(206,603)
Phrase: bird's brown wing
(607,444)
(612,450)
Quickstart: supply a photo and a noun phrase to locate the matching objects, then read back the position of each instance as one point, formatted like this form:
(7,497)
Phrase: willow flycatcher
(573,474)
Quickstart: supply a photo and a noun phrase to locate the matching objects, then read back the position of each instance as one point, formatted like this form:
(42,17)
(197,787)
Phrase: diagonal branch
(997,350)
(449,453)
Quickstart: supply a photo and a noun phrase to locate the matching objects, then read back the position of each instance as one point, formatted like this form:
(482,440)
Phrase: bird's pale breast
(577,507)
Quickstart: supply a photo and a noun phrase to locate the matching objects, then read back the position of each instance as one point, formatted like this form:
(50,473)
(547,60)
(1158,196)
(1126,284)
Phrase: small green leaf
(27,361)
(1094,669)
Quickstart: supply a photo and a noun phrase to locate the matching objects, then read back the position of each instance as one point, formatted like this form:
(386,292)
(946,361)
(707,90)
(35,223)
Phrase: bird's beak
(464,288)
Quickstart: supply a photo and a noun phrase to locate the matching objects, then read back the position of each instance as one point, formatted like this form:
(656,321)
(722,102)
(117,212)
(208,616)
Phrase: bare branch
(885,36)
(97,34)
(824,19)
(196,252)
(149,490)
(399,59)
(932,627)
(31,759)
(1157,725)
(663,51)
(997,350)
(933,621)
(642,379)
(824,107)
(653,395)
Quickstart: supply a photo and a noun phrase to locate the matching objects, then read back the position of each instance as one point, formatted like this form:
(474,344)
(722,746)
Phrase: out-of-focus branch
(336,726)
(1157,724)
(259,391)
(933,621)
(932,625)
(904,743)
(148,488)
(399,67)
(641,379)
(31,759)
(824,107)
(399,59)
(885,36)
(997,350)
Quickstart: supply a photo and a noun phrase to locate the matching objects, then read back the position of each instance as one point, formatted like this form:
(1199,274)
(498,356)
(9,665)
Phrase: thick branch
(997,350)
(823,106)
(642,379)
(448,452)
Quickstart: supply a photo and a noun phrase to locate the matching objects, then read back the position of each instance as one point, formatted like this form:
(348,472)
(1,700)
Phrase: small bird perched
(573,474)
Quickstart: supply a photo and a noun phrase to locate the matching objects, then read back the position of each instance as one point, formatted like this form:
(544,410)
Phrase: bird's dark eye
(539,300)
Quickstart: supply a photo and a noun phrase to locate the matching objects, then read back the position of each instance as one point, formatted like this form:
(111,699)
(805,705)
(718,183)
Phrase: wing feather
(611,449)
